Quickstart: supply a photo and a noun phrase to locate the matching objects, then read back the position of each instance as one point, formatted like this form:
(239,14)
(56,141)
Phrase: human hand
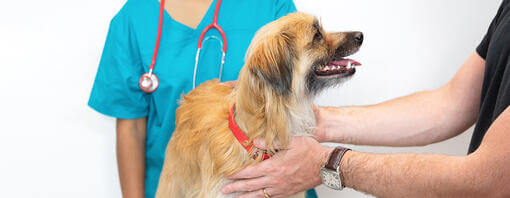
(288,172)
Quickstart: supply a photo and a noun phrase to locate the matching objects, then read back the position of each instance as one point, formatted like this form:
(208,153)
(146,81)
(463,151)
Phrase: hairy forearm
(131,156)
(484,173)
(414,175)
(399,122)
(406,175)
(418,119)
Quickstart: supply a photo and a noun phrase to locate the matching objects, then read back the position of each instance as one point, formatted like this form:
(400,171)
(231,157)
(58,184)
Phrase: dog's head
(295,56)
(288,62)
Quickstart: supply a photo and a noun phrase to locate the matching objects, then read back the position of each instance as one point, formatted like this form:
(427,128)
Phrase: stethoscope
(149,82)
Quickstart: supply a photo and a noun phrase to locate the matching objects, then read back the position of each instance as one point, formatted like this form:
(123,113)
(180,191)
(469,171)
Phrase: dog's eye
(317,36)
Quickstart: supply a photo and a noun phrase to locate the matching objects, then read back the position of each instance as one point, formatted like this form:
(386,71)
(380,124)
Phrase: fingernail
(224,190)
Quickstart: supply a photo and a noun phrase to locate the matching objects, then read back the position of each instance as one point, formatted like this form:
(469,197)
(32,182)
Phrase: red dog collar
(242,138)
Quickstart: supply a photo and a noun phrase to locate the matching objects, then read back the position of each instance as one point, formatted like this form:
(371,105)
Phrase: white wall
(53,145)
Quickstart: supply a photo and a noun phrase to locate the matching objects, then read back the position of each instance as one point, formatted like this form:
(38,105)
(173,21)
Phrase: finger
(247,185)
(249,172)
(254,194)
(257,170)
(260,193)
(261,144)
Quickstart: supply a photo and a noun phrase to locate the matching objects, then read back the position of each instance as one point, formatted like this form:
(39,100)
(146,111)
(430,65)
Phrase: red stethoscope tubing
(146,81)
(215,25)
(158,38)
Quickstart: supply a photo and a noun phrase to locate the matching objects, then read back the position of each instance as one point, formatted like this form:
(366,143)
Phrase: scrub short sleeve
(284,7)
(484,45)
(115,91)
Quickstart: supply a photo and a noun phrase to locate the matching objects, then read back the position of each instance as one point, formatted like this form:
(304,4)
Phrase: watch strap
(335,158)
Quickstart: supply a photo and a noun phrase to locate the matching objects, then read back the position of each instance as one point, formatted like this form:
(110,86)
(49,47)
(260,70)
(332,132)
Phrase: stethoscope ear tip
(148,82)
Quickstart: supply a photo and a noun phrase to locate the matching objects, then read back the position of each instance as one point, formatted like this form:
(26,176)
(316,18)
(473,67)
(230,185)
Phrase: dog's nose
(358,37)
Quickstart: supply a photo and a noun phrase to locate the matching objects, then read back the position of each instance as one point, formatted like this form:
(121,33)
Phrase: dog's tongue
(343,62)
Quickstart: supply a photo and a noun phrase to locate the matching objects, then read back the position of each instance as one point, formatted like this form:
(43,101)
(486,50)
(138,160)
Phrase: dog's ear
(271,61)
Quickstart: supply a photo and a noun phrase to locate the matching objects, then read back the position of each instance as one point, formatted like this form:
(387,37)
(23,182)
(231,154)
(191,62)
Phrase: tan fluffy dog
(288,62)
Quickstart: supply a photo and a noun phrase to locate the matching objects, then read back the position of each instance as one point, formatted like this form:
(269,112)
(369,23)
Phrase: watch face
(331,179)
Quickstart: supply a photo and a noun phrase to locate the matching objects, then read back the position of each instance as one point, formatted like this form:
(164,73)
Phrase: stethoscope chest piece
(149,82)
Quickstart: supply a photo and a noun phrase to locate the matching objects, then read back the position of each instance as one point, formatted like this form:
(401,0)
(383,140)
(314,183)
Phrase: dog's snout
(358,37)
(348,43)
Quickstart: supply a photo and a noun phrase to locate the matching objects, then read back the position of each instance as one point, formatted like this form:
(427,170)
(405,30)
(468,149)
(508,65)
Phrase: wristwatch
(330,173)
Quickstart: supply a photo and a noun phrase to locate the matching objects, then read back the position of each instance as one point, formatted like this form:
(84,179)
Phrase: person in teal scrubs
(128,53)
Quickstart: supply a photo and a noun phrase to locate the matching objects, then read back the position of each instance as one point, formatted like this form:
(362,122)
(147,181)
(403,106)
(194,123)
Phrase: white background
(53,145)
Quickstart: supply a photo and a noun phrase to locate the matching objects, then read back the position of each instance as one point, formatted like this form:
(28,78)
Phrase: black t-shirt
(495,49)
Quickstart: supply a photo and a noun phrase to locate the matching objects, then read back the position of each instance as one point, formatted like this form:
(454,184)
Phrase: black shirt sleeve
(484,45)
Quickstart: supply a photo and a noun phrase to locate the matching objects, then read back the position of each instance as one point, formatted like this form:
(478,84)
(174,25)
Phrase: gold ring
(265,193)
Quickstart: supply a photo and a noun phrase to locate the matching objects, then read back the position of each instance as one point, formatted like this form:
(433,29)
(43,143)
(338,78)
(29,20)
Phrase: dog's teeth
(327,67)
(349,65)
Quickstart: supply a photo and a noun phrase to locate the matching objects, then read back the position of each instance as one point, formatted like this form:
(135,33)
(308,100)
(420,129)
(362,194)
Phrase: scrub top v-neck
(128,51)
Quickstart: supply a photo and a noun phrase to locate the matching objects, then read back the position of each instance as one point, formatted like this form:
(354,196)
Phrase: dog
(288,62)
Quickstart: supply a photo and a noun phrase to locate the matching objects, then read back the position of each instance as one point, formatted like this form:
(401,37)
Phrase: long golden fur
(273,101)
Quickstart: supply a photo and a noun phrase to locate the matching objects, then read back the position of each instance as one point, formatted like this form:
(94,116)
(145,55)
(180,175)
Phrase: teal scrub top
(128,52)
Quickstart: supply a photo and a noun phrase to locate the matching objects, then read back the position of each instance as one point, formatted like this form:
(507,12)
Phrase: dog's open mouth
(342,67)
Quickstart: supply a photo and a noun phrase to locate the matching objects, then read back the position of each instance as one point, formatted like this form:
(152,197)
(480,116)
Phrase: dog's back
(287,64)
(202,150)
